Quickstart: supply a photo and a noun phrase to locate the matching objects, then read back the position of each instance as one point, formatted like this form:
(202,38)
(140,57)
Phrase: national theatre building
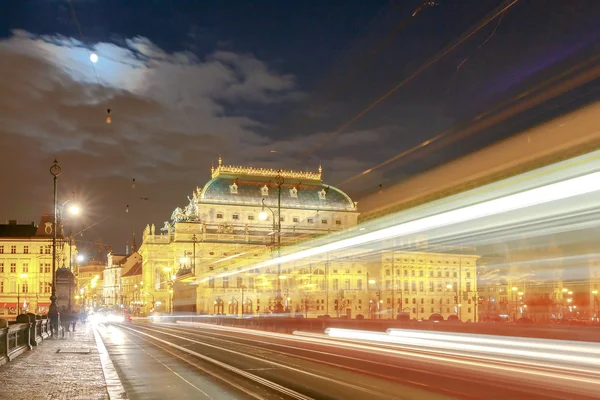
(210,256)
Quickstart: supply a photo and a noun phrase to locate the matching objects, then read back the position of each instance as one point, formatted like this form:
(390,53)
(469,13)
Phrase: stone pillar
(3,341)
(24,319)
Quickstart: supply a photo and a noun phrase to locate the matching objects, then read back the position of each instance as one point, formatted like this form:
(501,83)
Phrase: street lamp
(55,171)
(374,282)
(21,276)
(277,230)
(53,314)
(194,240)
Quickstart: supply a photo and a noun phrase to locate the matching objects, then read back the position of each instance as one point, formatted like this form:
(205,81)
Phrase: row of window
(388,272)
(296,220)
(13,249)
(406,260)
(45,287)
(433,287)
(44,268)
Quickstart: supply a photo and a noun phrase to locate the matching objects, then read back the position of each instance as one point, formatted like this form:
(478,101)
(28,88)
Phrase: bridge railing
(17,337)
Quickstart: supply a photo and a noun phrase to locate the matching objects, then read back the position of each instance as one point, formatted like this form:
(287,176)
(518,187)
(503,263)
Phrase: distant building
(117,266)
(90,283)
(26,265)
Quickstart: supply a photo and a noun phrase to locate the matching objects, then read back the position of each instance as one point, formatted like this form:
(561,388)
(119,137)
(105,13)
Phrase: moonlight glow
(94,57)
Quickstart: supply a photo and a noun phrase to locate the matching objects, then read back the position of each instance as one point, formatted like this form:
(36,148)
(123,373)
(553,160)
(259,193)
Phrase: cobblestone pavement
(50,372)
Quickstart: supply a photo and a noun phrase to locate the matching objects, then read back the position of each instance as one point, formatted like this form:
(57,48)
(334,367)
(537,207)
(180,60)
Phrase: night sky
(263,83)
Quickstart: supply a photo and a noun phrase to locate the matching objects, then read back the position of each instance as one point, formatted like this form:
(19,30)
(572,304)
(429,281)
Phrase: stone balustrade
(22,335)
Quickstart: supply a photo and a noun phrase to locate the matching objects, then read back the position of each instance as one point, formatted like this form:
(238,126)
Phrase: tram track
(328,371)
(493,373)
(268,372)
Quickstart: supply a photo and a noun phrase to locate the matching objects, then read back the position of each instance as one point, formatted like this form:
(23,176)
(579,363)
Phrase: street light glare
(262,216)
(94,58)
(80,258)
(371,281)
(74,210)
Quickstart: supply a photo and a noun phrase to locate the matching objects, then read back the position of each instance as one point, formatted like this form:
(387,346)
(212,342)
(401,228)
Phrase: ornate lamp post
(194,240)
(277,230)
(55,171)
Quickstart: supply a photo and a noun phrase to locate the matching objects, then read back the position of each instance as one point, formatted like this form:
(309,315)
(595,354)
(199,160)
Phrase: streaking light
(553,192)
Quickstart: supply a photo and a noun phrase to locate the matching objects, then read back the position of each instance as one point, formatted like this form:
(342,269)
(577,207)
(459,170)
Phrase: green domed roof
(249,186)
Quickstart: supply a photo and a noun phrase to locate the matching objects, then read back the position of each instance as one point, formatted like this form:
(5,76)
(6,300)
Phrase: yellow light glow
(371,281)
(74,209)
(24,276)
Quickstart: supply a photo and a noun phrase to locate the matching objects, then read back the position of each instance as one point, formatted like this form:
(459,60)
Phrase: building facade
(90,283)
(26,266)
(118,265)
(201,260)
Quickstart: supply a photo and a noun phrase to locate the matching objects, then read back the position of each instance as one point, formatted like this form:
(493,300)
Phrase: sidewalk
(69,368)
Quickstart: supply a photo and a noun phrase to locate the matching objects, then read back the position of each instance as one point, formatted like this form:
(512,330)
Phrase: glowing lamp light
(80,258)
(108,118)
(262,215)
(74,210)
(94,58)
(372,281)
(184,260)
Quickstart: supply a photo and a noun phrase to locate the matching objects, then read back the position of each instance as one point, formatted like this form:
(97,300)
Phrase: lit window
(233,189)
(323,195)
(264,190)
(294,193)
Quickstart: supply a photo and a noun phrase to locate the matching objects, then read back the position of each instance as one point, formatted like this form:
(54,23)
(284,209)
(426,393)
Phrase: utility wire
(503,8)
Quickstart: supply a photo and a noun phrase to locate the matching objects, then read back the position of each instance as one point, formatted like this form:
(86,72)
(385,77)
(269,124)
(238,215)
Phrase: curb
(111,377)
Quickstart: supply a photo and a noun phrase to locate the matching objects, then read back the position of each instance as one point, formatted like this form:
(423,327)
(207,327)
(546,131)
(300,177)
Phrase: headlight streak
(504,366)
(542,195)
(512,341)
(442,345)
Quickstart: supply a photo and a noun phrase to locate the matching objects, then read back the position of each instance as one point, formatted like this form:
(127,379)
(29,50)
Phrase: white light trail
(553,192)
(461,347)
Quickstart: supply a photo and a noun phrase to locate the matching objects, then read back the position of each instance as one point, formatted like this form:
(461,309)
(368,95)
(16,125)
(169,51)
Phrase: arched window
(318,271)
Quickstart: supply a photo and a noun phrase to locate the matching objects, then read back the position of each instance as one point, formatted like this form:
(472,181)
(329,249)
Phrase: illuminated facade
(26,266)
(118,265)
(199,260)
(90,283)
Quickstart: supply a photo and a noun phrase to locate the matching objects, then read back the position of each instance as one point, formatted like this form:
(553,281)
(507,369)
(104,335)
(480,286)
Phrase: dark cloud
(170,120)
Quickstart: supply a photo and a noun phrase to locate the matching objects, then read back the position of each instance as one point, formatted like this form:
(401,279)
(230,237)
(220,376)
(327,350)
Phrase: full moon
(94,57)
